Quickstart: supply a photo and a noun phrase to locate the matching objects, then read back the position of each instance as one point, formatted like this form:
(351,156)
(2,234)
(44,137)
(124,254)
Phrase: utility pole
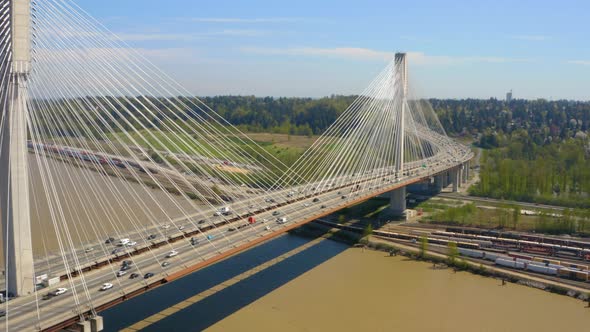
(14,184)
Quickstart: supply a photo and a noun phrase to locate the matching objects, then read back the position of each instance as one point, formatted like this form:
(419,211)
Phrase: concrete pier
(96,324)
(398,201)
(455,179)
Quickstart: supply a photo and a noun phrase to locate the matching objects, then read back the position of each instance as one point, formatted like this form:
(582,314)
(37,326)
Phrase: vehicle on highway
(181,227)
(202,221)
(59,291)
(125,267)
(172,254)
(106,286)
(148,275)
(194,241)
(166,226)
(2,313)
(109,240)
(282,220)
(123,242)
(276,213)
(343,197)
(134,275)
(315,200)
(131,243)
(306,205)
(165,264)
(210,237)
(251,220)
(151,236)
(231,229)
(89,249)
(127,262)
(116,251)
(224,209)
(216,214)
(322,207)
(121,273)
(267,228)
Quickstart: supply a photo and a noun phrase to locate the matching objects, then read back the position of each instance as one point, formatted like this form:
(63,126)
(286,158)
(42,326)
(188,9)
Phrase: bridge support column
(83,326)
(96,324)
(14,184)
(397,201)
(455,179)
(438,182)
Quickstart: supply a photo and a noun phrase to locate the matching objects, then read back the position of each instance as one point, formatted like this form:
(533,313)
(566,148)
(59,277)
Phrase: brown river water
(362,290)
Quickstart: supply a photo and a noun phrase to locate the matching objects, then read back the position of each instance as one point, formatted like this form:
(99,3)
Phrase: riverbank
(360,290)
(440,258)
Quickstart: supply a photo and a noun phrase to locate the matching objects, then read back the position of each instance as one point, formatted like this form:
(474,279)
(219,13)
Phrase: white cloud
(245,20)
(531,37)
(188,37)
(341,52)
(580,62)
(415,58)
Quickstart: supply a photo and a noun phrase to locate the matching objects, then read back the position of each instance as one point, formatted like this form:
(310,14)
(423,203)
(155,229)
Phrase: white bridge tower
(14,184)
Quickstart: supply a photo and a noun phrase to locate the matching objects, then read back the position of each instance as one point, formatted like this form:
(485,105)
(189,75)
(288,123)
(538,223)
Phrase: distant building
(509,96)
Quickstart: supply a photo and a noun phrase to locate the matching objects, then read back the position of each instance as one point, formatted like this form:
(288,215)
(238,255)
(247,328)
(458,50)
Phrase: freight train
(575,250)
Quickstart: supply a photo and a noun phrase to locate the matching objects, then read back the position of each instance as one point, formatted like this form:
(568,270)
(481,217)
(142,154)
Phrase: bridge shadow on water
(216,307)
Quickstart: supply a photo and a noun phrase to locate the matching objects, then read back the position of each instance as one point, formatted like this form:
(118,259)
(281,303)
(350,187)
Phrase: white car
(89,249)
(106,286)
(282,220)
(60,291)
(121,273)
(166,226)
(131,244)
(172,254)
(180,228)
(267,228)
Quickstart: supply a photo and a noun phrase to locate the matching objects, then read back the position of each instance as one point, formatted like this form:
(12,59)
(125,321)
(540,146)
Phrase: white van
(282,220)
(123,242)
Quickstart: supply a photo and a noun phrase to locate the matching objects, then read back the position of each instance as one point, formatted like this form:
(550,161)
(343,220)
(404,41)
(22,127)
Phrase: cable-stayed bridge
(112,179)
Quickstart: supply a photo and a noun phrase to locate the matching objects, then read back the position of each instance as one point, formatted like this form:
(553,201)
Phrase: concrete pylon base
(96,324)
(398,201)
(83,326)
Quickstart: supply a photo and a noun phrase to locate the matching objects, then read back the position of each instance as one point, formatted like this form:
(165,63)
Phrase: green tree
(423,246)
(453,252)
(368,230)
(515,216)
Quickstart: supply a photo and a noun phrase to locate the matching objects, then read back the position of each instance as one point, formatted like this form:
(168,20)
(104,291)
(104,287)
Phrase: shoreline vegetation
(439,260)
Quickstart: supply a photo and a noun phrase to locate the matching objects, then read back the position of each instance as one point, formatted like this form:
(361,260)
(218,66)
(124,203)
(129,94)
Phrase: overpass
(99,116)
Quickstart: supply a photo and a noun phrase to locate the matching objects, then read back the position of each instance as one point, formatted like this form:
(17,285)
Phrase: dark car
(127,263)
(125,267)
(202,221)
(231,229)
(116,251)
(322,207)
(276,213)
(2,313)
(134,275)
(151,237)
(148,275)
(315,200)
(109,240)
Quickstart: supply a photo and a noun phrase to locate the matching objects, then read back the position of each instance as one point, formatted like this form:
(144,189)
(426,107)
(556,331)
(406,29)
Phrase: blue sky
(315,48)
